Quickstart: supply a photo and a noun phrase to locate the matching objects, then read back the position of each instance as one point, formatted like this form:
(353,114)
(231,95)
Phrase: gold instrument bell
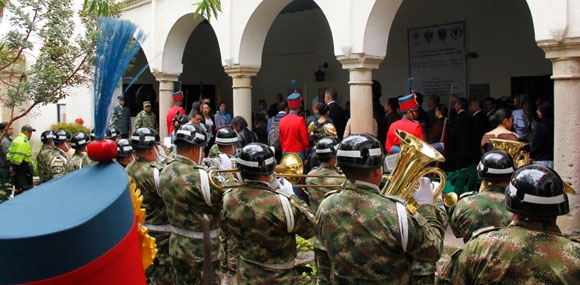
(514,149)
(415,154)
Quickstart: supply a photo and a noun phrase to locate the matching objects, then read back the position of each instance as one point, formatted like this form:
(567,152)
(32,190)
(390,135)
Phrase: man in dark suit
(479,126)
(337,113)
(461,136)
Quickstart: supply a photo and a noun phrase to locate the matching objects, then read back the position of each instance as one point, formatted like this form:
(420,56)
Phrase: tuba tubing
(415,154)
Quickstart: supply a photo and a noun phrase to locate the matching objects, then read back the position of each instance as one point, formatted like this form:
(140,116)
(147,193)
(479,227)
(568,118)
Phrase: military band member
(474,210)
(62,143)
(113,133)
(79,143)
(44,155)
(125,152)
(144,172)
(326,153)
(264,217)
(368,238)
(227,142)
(532,249)
(187,196)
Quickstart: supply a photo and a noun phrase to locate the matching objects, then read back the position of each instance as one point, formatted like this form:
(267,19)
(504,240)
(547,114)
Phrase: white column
(166,89)
(361,94)
(242,90)
(565,59)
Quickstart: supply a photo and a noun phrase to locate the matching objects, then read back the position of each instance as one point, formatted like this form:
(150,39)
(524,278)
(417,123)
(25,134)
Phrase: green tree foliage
(206,8)
(48,50)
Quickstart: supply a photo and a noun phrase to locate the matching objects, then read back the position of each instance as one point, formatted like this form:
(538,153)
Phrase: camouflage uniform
(75,162)
(253,216)
(146,120)
(474,211)
(213,151)
(87,161)
(186,204)
(424,272)
(142,173)
(525,252)
(51,163)
(359,237)
(42,162)
(316,194)
(5,178)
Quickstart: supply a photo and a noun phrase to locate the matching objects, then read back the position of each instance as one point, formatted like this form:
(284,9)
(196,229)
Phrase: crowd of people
(360,235)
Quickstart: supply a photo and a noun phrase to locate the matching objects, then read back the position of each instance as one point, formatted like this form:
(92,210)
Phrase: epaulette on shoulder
(466,194)
(395,198)
(483,230)
(332,192)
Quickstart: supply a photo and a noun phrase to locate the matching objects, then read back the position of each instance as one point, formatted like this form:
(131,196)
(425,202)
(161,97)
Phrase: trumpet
(290,167)
(410,165)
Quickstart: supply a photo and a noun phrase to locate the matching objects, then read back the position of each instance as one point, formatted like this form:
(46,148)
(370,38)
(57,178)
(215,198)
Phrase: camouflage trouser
(161,271)
(187,272)
(5,186)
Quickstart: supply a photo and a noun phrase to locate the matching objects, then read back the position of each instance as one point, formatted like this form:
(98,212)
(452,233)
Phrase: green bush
(72,128)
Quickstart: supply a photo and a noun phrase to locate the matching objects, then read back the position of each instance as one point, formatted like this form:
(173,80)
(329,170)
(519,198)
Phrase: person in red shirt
(293,134)
(408,106)
(174,111)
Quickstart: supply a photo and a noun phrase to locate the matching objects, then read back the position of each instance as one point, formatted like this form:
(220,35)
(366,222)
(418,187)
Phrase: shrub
(72,128)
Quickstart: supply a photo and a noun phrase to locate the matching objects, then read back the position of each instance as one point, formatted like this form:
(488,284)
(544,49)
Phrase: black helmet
(124,148)
(143,138)
(112,133)
(256,159)
(361,151)
(182,119)
(326,148)
(79,140)
(47,136)
(191,134)
(226,136)
(495,165)
(61,136)
(536,190)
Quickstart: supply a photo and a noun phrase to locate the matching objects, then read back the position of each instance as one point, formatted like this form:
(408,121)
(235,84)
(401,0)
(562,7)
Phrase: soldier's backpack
(274,137)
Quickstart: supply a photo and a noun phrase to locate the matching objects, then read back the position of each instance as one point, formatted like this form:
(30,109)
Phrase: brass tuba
(415,154)
(514,149)
(290,165)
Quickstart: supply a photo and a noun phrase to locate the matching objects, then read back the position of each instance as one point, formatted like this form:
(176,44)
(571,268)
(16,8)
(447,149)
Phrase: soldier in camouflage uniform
(124,152)
(187,195)
(144,172)
(474,211)
(50,161)
(368,238)
(326,153)
(146,118)
(43,156)
(263,217)
(79,142)
(62,144)
(532,249)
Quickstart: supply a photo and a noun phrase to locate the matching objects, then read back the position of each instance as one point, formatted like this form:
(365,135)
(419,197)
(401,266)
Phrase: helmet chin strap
(200,154)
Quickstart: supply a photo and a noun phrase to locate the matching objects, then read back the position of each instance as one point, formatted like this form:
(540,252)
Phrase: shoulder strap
(205,189)
(403,224)
(156,179)
(287,212)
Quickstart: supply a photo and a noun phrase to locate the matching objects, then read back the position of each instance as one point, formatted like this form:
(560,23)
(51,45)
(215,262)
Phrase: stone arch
(174,45)
(256,30)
